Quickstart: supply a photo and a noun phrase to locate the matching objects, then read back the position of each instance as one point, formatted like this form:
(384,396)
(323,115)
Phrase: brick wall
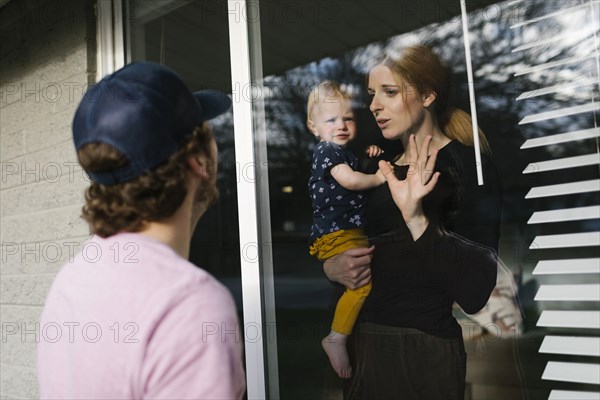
(47,59)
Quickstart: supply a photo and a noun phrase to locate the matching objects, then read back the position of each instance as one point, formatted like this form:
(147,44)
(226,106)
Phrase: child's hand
(381,176)
(374,151)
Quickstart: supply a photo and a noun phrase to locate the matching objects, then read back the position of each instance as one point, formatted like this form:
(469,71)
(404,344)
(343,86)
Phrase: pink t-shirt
(129,318)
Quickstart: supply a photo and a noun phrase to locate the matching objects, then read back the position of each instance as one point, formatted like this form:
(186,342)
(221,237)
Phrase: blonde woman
(408,344)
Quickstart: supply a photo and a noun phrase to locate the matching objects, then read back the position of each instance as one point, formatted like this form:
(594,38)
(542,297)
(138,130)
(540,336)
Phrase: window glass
(304,43)
(185,36)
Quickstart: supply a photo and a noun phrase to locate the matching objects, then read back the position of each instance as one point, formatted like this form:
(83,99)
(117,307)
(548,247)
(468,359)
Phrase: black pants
(403,363)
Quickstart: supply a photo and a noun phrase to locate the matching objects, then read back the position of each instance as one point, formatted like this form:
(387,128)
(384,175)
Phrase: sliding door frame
(260,334)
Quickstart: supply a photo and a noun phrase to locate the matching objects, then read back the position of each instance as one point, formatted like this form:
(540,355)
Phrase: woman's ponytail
(458,125)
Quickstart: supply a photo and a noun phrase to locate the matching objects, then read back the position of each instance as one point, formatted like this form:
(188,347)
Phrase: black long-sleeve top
(415,283)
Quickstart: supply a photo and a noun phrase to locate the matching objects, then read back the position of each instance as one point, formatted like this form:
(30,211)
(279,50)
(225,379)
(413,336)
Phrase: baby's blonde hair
(326,91)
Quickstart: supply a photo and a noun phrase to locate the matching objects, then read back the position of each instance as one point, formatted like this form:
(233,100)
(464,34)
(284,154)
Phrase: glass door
(303,43)
(269,55)
(192,37)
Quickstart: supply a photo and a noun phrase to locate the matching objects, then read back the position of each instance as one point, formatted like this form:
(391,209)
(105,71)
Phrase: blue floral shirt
(334,207)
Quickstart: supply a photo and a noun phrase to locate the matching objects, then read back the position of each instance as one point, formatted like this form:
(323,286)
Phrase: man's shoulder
(130,260)
(127,253)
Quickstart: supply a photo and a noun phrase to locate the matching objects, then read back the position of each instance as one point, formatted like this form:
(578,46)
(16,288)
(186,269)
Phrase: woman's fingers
(432,182)
(430,163)
(429,166)
(424,150)
(388,171)
(412,150)
(360,251)
(422,162)
(351,268)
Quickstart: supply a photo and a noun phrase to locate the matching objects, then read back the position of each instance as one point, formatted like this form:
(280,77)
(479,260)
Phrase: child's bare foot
(335,347)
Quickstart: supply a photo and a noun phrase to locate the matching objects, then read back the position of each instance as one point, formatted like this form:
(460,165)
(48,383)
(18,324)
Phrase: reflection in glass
(329,51)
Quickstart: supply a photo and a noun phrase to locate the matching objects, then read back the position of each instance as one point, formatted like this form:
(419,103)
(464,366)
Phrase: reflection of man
(130,317)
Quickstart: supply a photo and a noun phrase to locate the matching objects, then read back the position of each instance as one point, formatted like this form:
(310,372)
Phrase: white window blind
(562,106)
(585,346)
(572,395)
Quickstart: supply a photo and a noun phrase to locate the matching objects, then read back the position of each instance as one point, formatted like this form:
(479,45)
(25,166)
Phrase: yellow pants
(350,303)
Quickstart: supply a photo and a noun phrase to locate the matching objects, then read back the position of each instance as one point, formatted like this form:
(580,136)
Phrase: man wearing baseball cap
(129,317)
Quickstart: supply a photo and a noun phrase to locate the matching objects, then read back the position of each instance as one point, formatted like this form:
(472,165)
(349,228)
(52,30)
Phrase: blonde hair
(420,67)
(324,92)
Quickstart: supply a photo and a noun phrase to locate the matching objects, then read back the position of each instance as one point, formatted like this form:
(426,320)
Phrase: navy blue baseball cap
(145,111)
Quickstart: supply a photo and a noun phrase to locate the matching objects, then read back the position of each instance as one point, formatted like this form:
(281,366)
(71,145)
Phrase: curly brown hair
(153,196)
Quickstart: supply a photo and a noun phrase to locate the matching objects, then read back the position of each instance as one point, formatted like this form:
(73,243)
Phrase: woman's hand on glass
(420,180)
